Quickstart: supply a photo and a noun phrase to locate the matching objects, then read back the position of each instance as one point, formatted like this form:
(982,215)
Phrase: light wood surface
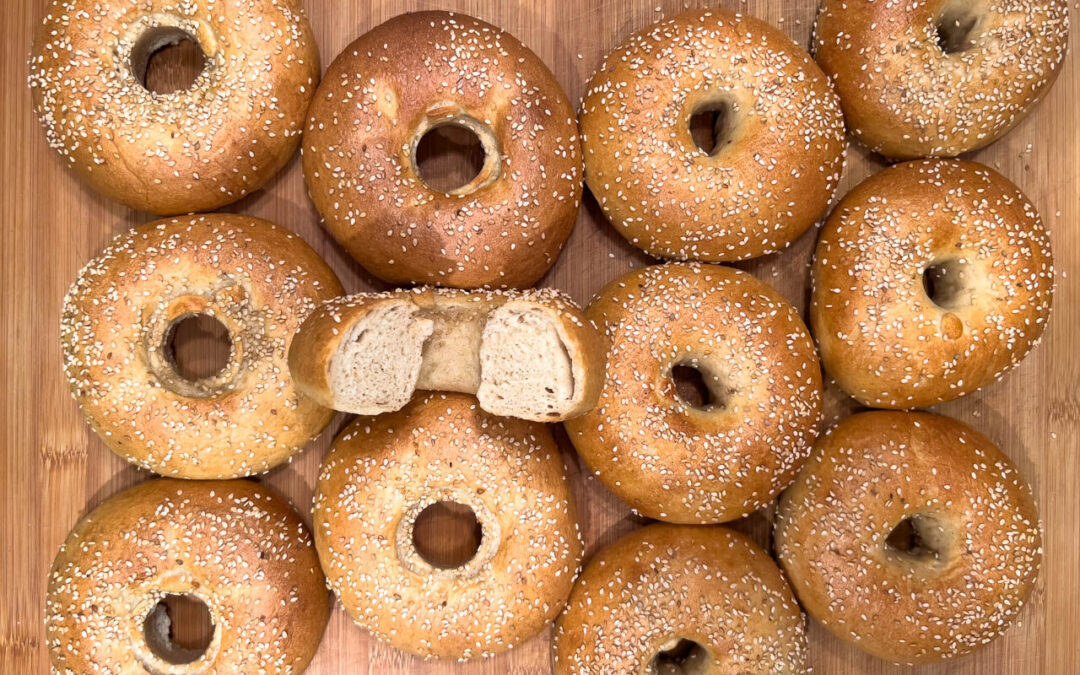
(54,468)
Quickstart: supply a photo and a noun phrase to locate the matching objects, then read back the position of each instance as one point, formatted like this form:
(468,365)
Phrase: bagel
(712,393)
(194,149)
(383,472)
(531,355)
(909,535)
(776,149)
(671,599)
(503,228)
(258,281)
(936,78)
(930,280)
(234,548)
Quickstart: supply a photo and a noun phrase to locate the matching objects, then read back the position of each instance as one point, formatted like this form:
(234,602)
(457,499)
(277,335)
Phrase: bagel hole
(712,126)
(696,388)
(449,156)
(956,29)
(197,346)
(167,59)
(680,657)
(947,283)
(179,629)
(447,534)
(918,538)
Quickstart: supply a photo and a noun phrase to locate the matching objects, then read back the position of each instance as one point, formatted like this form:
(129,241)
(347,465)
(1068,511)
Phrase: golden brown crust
(905,97)
(257,279)
(190,150)
(382,470)
(865,477)
(755,195)
(881,336)
(235,545)
(320,335)
(505,228)
(663,583)
(666,458)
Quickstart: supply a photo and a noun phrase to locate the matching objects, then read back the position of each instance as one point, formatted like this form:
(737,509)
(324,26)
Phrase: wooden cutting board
(55,469)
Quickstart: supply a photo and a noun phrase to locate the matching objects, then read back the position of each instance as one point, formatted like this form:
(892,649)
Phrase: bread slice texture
(531,354)
(377,364)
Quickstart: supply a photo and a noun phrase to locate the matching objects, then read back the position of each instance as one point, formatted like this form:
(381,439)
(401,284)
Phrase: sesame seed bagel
(529,354)
(194,149)
(234,547)
(909,535)
(935,78)
(712,396)
(778,138)
(257,280)
(383,472)
(507,225)
(930,280)
(679,599)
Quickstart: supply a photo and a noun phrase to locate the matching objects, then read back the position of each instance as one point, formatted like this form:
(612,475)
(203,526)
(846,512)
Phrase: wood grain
(54,469)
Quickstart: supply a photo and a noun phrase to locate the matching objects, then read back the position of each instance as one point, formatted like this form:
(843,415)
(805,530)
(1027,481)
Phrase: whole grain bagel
(930,280)
(681,600)
(936,78)
(234,547)
(528,354)
(712,395)
(384,472)
(256,279)
(910,536)
(194,149)
(383,94)
(777,130)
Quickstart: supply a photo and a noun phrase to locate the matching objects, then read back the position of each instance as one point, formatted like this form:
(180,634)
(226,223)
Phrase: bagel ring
(930,280)
(384,472)
(681,600)
(259,281)
(910,535)
(193,149)
(939,78)
(774,159)
(234,547)
(712,393)
(377,103)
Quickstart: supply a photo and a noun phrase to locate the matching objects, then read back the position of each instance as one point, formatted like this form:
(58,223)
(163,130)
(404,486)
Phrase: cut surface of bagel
(530,355)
